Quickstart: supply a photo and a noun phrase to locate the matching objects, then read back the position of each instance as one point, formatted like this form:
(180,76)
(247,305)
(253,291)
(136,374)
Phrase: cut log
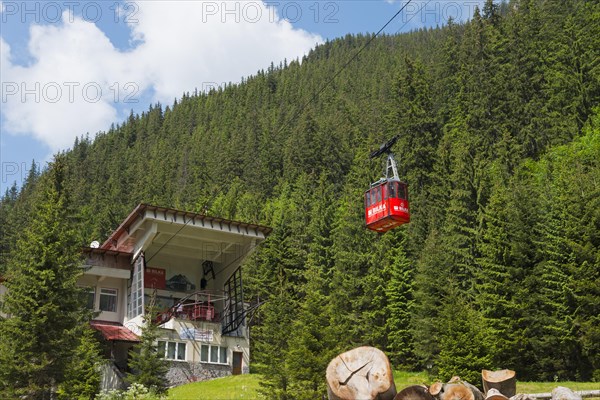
(436,388)
(494,394)
(415,392)
(362,373)
(475,390)
(460,391)
(455,389)
(503,380)
(563,393)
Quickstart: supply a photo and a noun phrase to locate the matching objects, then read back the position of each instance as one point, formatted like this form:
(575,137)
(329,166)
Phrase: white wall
(99,282)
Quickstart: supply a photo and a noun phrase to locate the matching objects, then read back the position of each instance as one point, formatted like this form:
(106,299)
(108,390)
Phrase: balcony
(204,305)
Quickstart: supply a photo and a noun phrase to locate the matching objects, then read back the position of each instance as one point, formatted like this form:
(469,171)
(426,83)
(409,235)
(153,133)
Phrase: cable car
(386,202)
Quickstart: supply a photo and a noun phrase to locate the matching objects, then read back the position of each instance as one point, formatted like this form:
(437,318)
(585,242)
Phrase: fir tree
(43,302)
(149,368)
(82,375)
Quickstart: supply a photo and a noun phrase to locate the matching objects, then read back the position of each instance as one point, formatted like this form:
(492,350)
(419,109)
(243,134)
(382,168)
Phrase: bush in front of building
(135,392)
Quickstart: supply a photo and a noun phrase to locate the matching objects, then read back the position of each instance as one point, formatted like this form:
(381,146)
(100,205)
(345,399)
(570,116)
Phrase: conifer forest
(499,142)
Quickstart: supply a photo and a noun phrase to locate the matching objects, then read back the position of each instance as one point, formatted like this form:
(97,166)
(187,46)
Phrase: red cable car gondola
(386,202)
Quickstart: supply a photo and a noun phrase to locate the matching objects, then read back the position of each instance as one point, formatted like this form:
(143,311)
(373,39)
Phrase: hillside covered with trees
(499,142)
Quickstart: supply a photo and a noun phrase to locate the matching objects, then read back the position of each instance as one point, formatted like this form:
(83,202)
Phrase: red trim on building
(114,331)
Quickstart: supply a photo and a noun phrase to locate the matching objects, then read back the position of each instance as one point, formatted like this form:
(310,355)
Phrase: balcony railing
(198,306)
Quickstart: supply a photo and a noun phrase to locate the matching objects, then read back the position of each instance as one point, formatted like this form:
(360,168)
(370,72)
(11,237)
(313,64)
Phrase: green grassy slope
(228,388)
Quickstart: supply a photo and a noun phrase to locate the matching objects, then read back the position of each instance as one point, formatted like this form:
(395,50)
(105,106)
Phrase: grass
(246,386)
(403,379)
(229,388)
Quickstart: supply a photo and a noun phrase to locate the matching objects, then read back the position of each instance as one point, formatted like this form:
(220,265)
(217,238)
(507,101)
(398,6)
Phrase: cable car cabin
(386,205)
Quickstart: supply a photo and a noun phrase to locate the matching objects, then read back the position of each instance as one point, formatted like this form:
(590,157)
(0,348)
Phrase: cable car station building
(187,267)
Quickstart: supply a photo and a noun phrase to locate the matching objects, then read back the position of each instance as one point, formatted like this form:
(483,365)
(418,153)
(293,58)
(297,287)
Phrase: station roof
(153,225)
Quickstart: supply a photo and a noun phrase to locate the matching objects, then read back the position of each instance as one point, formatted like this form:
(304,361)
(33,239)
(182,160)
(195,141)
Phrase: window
(172,350)
(204,353)
(402,191)
(223,355)
(393,186)
(213,354)
(135,295)
(91,298)
(108,299)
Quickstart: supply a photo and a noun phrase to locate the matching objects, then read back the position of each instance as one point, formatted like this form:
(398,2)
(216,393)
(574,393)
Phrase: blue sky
(70,68)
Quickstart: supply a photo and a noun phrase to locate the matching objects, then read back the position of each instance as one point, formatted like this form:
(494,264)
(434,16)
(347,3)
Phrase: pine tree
(43,302)
(500,265)
(462,347)
(313,345)
(400,302)
(82,375)
(351,294)
(7,225)
(149,368)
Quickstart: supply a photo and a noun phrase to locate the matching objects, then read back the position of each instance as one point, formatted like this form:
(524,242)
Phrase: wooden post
(362,373)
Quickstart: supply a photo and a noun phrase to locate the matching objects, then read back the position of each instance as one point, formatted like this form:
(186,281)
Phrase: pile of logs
(365,373)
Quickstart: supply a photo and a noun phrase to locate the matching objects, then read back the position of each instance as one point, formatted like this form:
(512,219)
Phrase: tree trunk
(362,373)
(503,380)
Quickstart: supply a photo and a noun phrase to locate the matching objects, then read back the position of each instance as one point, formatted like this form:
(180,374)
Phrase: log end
(415,392)
(497,376)
(494,394)
(435,388)
(364,372)
(456,391)
(503,380)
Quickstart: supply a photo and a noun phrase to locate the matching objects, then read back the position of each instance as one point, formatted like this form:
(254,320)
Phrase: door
(237,363)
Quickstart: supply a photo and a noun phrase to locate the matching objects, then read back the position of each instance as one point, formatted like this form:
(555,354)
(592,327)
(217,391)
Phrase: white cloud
(78,79)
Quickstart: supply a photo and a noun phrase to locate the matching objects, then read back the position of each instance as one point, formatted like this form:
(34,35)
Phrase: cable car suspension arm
(391,169)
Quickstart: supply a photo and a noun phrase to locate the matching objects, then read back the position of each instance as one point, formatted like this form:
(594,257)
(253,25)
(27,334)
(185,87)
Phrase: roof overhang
(184,234)
(114,331)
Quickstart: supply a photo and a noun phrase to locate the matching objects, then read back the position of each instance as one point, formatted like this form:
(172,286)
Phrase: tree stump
(503,380)
(362,373)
